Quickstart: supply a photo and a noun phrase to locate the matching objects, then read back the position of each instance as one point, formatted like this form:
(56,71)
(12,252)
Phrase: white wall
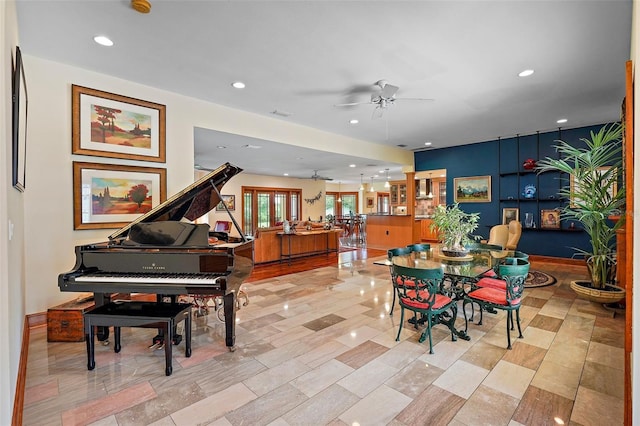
(50,239)
(12,295)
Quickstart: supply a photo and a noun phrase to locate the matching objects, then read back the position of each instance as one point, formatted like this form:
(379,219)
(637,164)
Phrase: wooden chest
(65,322)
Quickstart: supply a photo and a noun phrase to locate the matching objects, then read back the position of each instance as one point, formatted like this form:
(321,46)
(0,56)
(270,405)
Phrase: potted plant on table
(594,170)
(454,228)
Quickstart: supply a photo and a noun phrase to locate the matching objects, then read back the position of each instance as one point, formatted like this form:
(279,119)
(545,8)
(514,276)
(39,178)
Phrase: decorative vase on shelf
(528,220)
(529,191)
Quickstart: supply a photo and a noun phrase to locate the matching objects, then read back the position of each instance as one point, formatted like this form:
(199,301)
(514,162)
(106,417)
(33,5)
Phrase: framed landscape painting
(109,125)
(111,196)
(476,189)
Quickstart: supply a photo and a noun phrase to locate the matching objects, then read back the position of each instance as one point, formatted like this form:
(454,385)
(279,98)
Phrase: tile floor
(318,347)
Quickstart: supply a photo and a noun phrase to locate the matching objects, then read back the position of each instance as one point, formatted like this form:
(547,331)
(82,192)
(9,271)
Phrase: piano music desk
(139,314)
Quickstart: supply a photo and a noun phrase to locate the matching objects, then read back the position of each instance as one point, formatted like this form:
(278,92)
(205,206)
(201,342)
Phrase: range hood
(423,189)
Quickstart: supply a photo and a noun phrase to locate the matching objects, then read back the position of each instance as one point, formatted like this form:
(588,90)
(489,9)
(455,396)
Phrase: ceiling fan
(384,97)
(316,176)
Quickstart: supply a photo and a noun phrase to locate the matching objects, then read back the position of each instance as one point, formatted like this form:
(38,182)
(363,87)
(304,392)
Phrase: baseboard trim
(18,402)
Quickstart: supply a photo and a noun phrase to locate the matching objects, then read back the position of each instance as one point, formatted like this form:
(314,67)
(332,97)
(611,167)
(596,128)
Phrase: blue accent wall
(506,156)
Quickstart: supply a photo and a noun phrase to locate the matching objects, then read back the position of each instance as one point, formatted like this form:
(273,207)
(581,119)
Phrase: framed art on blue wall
(475,189)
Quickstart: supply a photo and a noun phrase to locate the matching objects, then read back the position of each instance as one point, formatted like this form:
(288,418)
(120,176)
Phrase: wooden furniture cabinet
(426,234)
(398,193)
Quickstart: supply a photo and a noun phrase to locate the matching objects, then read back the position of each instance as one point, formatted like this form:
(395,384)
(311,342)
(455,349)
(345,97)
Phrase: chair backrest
(515,230)
(222,226)
(419,247)
(429,280)
(499,235)
(400,251)
(514,272)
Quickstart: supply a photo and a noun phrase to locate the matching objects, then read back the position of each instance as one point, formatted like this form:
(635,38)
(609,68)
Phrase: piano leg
(168,348)
(230,320)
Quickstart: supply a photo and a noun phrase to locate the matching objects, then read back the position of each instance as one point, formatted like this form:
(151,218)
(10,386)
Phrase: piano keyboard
(199,279)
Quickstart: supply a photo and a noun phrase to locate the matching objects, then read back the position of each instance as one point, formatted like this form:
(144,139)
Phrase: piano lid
(191,203)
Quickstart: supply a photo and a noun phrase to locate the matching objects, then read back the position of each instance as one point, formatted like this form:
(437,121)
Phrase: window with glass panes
(265,207)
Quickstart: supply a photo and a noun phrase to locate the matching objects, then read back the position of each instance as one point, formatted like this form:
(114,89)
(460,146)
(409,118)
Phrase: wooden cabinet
(398,193)
(426,234)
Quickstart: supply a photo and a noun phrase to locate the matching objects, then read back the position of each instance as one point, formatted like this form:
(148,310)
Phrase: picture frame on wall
(111,196)
(509,214)
(109,125)
(19,123)
(229,201)
(574,185)
(550,219)
(369,202)
(475,189)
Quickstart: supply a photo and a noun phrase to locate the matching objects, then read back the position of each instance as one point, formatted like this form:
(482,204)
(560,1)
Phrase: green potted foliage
(454,228)
(595,169)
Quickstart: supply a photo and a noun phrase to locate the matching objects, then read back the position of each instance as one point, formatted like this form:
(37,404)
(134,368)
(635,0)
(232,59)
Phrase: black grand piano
(164,253)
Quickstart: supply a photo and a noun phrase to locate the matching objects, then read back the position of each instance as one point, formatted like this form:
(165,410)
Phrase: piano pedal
(156,345)
(105,342)
(177,339)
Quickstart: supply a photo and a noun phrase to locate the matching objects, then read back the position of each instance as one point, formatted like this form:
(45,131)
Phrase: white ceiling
(304,57)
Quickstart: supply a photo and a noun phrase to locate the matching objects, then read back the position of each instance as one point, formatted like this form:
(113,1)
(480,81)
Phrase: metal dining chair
(514,273)
(423,297)
(400,251)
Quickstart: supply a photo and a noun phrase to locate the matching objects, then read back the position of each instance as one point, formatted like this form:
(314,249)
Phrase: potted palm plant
(454,228)
(594,170)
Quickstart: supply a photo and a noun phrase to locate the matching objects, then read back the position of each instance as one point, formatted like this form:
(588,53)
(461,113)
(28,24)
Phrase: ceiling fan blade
(351,104)
(389,90)
(414,99)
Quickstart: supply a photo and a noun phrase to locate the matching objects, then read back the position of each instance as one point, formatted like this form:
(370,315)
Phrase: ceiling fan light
(387,184)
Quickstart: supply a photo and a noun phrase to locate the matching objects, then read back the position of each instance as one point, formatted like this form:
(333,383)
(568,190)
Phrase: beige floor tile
(215,406)
(322,377)
(486,407)
(562,379)
(508,378)
(357,336)
(606,355)
(321,409)
(536,337)
(461,379)
(593,408)
(367,378)
(376,408)
(272,378)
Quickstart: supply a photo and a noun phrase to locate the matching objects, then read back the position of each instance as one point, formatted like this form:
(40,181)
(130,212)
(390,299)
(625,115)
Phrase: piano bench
(139,314)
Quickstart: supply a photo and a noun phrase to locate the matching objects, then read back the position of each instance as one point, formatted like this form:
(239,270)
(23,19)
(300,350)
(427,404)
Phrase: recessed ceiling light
(352,165)
(354,121)
(562,120)
(222,147)
(238,85)
(103,40)
(427,144)
(286,174)
(252,146)
(525,73)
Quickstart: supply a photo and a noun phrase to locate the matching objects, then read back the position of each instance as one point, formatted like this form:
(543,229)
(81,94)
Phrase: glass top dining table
(476,262)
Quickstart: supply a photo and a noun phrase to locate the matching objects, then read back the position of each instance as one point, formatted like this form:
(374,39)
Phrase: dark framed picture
(475,189)
(111,196)
(550,219)
(19,123)
(229,201)
(509,214)
(109,125)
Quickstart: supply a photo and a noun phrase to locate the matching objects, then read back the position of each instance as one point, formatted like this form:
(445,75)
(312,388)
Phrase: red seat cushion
(405,283)
(490,273)
(492,295)
(492,282)
(441,300)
